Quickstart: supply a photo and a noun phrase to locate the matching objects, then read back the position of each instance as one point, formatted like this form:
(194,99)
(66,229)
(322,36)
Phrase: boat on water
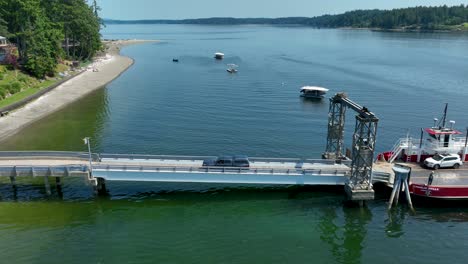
(232,68)
(313,92)
(441,143)
(438,139)
(219,55)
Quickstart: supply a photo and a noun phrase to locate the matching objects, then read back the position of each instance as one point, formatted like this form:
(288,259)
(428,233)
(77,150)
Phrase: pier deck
(117,167)
(420,174)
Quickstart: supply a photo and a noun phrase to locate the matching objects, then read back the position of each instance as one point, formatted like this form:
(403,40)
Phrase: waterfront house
(3,46)
(3,42)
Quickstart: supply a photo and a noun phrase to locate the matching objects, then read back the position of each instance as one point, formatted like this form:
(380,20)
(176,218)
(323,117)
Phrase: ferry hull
(440,192)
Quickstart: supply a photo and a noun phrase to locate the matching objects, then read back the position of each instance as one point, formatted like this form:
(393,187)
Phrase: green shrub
(2,93)
(2,76)
(15,88)
(23,79)
(5,87)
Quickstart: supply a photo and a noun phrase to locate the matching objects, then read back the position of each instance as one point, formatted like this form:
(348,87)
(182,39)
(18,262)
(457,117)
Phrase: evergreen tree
(37,39)
(40,27)
(3,28)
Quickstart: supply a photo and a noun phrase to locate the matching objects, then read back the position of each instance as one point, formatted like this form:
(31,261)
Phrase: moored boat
(454,192)
(232,68)
(442,143)
(314,92)
(439,139)
(219,55)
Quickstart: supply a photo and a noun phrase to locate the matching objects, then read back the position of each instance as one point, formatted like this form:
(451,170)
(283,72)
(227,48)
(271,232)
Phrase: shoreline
(109,67)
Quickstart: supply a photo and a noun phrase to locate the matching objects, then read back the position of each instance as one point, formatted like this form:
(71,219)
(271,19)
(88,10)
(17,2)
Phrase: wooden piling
(101,186)
(408,196)
(395,185)
(13,181)
(401,181)
(47,185)
(58,185)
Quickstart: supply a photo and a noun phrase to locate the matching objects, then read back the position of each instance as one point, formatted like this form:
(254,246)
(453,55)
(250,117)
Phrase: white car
(443,161)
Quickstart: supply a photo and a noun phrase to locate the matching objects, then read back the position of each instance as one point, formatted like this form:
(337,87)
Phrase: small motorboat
(232,68)
(219,55)
(314,92)
(175,60)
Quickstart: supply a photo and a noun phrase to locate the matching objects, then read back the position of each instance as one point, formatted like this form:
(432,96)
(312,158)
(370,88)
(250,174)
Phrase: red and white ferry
(439,139)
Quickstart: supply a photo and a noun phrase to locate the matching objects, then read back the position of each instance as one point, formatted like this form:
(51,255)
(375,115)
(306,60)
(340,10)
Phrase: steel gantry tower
(359,186)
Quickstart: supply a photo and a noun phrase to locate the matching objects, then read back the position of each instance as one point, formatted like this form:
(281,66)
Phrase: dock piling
(101,186)
(402,174)
(13,182)
(13,178)
(58,185)
(47,185)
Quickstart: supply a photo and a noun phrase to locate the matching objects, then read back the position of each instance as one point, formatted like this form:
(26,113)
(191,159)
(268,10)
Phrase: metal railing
(48,155)
(152,157)
(221,170)
(139,157)
(7,171)
(198,158)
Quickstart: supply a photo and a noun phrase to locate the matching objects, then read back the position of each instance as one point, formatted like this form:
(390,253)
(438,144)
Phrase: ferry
(439,140)
(314,92)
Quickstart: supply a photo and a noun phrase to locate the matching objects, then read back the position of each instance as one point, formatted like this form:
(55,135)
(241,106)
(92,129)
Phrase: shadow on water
(395,222)
(346,238)
(64,130)
(313,102)
(17,210)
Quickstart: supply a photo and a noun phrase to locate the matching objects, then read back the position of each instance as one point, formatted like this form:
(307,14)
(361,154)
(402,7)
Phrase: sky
(180,9)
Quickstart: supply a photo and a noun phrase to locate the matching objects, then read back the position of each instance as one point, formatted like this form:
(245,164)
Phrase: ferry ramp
(163,168)
(118,167)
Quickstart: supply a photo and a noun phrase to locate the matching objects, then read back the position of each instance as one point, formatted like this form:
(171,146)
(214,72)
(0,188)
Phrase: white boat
(313,92)
(232,68)
(219,55)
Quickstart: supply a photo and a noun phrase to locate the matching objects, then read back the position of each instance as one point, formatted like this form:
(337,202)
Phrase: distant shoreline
(459,29)
(441,18)
(101,72)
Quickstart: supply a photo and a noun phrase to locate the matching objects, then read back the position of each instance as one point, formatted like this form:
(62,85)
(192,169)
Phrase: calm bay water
(195,107)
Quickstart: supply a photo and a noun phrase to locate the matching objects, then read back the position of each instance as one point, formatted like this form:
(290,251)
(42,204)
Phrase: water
(195,107)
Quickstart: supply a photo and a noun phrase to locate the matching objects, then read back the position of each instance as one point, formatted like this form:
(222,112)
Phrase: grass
(29,85)
(465,26)
(25,93)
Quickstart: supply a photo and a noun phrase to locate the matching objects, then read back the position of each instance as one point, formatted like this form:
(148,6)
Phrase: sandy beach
(98,74)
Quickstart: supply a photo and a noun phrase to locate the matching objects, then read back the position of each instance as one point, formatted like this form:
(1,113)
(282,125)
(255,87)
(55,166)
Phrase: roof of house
(2,37)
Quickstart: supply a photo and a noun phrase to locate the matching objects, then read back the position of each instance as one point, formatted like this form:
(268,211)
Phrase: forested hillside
(46,31)
(415,18)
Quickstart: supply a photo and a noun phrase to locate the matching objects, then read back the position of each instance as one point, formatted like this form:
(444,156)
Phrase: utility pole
(87,142)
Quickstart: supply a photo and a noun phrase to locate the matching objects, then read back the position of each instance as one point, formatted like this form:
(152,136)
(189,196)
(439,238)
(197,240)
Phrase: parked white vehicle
(443,161)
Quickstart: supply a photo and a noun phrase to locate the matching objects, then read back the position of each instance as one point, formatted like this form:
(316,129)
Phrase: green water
(63,129)
(196,108)
(243,226)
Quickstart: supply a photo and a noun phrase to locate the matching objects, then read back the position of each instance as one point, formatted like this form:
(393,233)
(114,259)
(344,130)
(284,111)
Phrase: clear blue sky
(179,9)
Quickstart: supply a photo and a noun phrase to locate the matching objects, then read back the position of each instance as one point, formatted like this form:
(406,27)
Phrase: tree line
(47,31)
(426,18)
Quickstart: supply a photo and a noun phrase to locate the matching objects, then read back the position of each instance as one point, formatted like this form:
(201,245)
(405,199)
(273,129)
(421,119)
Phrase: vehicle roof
(314,88)
(224,157)
(448,155)
(240,157)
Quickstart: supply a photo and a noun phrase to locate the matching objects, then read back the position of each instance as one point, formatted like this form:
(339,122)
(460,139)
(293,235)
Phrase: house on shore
(3,46)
